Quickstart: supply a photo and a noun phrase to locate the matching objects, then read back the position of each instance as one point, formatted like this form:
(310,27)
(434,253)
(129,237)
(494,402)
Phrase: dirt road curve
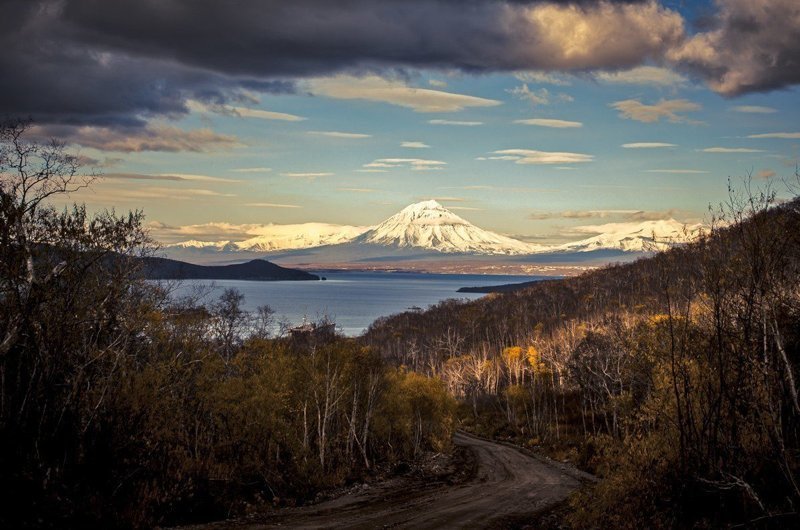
(506,484)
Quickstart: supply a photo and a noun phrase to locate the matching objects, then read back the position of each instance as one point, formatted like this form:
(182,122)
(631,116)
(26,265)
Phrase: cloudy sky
(526,117)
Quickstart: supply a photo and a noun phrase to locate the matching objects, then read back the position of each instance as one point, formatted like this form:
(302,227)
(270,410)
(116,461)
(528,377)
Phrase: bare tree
(229,321)
(30,174)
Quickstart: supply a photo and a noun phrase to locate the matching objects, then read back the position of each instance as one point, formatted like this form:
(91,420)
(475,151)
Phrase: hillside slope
(255,270)
(675,377)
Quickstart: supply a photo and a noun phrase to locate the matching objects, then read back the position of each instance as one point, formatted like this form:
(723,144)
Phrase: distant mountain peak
(426,212)
(431,204)
(644,236)
(423,207)
(429,225)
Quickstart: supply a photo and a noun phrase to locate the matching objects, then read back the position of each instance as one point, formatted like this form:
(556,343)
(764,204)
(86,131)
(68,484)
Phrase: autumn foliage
(674,378)
(122,405)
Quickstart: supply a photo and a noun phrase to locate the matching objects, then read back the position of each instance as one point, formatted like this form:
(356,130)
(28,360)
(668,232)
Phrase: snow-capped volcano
(429,225)
(646,236)
(424,230)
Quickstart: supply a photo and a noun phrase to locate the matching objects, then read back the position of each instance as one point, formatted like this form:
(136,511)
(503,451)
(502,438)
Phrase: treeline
(674,377)
(123,407)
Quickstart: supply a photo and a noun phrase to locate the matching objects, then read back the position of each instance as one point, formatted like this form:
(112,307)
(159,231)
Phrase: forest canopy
(121,405)
(674,378)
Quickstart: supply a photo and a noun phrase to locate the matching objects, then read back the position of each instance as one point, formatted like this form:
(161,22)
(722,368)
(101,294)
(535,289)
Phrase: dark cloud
(122,62)
(56,71)
(748,46)
(313,37)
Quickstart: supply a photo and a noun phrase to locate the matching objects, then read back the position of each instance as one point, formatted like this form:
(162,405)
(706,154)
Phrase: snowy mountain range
(276,237)
(645,236)
(431,228)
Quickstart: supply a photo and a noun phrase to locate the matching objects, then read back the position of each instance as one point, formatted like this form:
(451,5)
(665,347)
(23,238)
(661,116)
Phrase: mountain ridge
(643,236)
(156,268)
(429,227)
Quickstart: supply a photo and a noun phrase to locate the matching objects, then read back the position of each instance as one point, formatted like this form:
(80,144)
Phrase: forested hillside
(121,406)
(674,378)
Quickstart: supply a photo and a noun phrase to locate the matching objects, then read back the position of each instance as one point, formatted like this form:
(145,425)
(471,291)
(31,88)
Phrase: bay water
(352,300)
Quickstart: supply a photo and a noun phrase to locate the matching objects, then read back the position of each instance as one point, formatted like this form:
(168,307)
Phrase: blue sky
(514,115)
(680,180)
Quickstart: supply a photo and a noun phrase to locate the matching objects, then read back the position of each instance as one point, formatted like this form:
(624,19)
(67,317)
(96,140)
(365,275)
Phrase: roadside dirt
(494,484)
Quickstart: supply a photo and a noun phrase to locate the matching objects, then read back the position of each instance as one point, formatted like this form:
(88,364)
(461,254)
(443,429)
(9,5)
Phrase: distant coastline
(503,288)
(254,270)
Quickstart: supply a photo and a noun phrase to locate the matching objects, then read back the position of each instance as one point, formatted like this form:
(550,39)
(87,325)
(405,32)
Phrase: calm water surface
(354,299)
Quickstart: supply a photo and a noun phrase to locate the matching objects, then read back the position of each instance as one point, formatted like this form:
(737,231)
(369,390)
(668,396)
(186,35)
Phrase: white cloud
(633,109)
(271,205)
(536,76)
(535,97)
(504,157)
(455,122)
(112,195)
(216,231)
(629,227)
(583,214)
(647,145)
(677,171)
(242,112)
(340,134)
(444,199)
(153,137)
(202,192)
(168,177)
(415,164)
(556,124)
(301,175)
(754,109)
(206,230)
(437,83)
(198,178)
(580,36)
(176,192)
(730,150)
(357,190)
(264,114)
(541,96)
(415,145)
(643,75)
(530,156)
(784,135)
(374,88)
(252,170)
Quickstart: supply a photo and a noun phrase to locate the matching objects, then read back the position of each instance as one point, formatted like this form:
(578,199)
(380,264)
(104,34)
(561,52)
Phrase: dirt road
(505,484)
